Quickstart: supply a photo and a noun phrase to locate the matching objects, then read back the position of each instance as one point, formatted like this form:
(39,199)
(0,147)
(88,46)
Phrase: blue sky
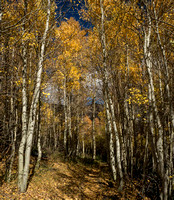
(68,9)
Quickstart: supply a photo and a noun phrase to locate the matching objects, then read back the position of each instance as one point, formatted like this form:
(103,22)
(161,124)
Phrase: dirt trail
(63,180)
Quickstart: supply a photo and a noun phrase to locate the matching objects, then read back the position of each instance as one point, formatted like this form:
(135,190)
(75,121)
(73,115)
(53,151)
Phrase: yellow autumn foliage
(136,97)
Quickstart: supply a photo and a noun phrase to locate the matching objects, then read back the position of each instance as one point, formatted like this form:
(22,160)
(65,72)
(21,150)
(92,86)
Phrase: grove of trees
(103,92)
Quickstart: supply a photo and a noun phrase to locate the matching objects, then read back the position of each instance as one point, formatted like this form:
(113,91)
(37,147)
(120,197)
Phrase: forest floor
(59,179)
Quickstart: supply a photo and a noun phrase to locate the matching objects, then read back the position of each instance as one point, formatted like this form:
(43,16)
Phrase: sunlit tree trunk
(106,81)
(169,104)
(148,58)
(152,130)
(39,147)
(32,113)
(117,140)
(111,144)
(24,107)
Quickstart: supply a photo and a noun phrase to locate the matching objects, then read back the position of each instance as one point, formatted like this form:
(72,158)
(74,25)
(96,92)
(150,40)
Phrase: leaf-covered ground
(57,179)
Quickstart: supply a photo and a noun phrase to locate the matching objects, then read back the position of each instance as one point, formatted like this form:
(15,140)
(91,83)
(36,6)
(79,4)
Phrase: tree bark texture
(27,135)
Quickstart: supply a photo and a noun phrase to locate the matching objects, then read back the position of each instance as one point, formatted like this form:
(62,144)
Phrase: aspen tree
(27,136)
(108,114)
(148,58)
(24,107)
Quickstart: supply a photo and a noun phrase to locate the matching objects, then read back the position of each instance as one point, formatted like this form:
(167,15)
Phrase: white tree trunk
(111,144)
(105,71)
(152,130)
(24,109)
(148,58)
(32,114)
(117,140)
(169,105)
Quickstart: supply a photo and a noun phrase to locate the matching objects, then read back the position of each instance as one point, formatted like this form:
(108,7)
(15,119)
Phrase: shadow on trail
(82,182)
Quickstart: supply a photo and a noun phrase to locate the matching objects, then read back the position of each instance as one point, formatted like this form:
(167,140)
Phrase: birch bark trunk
(148,58)
(152,130)
(39,147)
(23,177)
(117,140)
(111,144)
(24,107)
(169,105)
(105,72)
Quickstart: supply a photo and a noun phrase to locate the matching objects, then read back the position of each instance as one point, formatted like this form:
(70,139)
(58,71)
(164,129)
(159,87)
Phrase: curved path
(57,179)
